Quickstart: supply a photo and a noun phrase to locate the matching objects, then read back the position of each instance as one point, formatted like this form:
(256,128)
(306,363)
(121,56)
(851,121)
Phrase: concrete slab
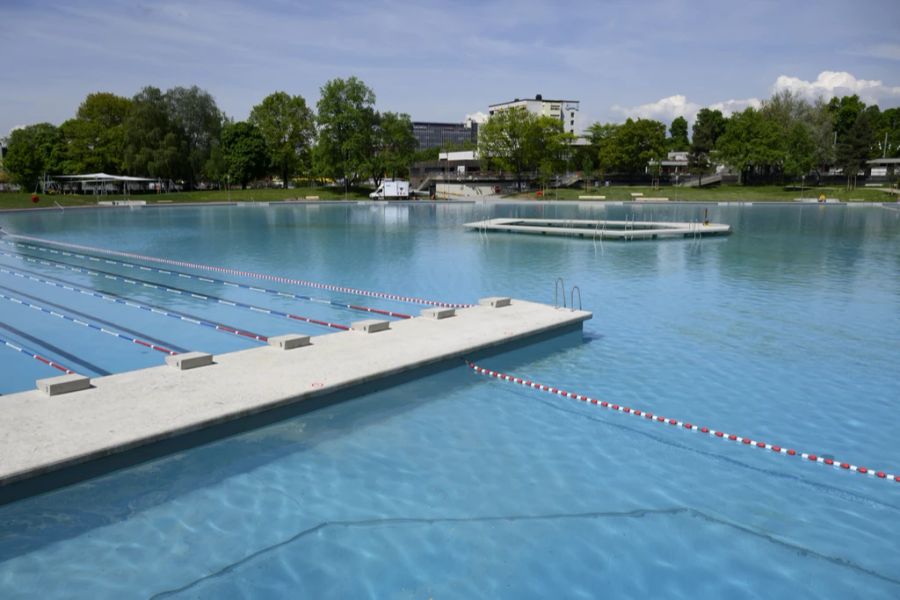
(370,326)
(602,229)
(189,360)
(495,301)
(63,384)
(290,341)
(438,313)
(41,434)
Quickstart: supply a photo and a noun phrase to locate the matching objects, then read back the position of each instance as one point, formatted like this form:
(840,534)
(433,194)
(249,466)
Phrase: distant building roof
(884,161)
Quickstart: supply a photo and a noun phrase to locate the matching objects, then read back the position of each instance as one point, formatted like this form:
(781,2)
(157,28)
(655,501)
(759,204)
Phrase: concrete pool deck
(42,434)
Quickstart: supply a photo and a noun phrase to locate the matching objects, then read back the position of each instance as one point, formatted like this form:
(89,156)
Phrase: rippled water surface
(460,486)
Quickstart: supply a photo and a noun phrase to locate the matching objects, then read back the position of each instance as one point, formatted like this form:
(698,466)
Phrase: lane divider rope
(111,297)
(250,274)
(37,356)
(88,324)
(684,425)
(243,286)
(174,290)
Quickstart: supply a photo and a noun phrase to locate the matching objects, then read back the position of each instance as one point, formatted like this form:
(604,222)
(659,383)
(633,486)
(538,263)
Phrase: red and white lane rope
(182,274)
(174,290)
(250,274)
(111,297)
(684,425)
(88,324)
(36,356)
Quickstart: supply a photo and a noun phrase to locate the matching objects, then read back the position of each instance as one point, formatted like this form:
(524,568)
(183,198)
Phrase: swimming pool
(456,485)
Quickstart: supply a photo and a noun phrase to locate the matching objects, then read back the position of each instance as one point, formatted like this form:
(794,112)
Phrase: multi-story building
(564,110)
(445,135)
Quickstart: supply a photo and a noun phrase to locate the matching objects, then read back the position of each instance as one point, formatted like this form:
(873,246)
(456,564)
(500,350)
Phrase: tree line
(786,139)
(182,135)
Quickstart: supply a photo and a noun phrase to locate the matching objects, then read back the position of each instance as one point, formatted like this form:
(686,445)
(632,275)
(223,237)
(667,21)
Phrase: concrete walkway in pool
(41,433)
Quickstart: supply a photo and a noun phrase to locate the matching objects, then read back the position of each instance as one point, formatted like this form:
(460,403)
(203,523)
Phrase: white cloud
(476,117)
(827,85)
(729,107)
(664,109)
(837,83)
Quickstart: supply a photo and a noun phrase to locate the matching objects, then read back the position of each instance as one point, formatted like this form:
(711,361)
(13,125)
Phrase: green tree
(751,144)
(602,136)
(346,119)
(844,112)
(395,146)
(198,120)
(888,133)
(288,126)
(678,135)
(507,141)
(708,127)
(30,154)
(244,152)
(857,144)
(821,130)
(154,145)
(800,151)
(636,143)
(95,139)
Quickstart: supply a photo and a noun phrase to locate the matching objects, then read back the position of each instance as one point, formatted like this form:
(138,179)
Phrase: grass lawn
(23,200)
(727,193)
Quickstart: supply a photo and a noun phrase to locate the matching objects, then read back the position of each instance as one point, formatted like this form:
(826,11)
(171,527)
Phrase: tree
(395,146)
(708,127)
(346,118)
(751,144)
(636,143)
(288,126)
(507,140)
(197,117)
(844,112)
(821,130)
(800,151)
(244,152)
(95,139)
(602,136)
(30,154)
(678,135)
(888,132)
(154,144)
(856,146)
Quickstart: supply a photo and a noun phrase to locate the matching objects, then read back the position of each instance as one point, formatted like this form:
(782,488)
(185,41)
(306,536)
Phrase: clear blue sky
(443,60)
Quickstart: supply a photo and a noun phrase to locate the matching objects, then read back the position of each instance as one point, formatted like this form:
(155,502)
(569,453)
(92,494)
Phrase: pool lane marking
(175,290)
(111,297)
(250,274)
(683,425)
(36,356)
(88,324)
(354,307)
(53,348)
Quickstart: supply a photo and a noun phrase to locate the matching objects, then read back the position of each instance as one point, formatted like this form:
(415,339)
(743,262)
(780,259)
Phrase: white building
(567,111)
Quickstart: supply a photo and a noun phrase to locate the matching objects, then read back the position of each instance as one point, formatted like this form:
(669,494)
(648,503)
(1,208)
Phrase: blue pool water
(460,486)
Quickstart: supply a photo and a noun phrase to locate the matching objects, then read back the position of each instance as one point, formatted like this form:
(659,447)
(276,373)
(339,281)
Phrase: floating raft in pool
(605,230)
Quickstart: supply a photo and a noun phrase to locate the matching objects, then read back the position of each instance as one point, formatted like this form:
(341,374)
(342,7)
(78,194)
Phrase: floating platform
(43,434)
(603,230)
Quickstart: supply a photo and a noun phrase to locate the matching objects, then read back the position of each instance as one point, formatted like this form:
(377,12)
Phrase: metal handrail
(572,298)
(560,283)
